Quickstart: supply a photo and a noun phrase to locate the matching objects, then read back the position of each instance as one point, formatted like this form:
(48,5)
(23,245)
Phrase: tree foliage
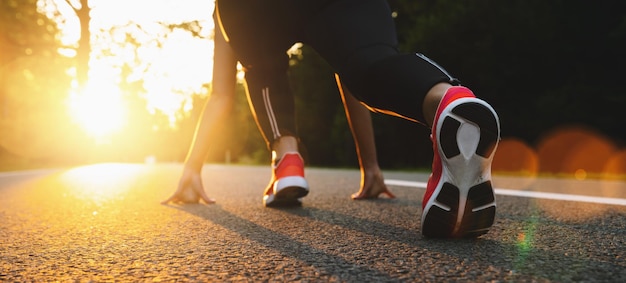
(32,81)
(542,64)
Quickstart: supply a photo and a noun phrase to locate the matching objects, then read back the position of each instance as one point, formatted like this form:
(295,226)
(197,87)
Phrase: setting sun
(99,109)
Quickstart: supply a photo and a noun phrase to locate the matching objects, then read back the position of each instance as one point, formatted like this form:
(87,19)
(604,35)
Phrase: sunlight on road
(101,182)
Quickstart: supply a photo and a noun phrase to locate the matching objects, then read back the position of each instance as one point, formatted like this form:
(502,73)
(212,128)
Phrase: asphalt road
(104,223)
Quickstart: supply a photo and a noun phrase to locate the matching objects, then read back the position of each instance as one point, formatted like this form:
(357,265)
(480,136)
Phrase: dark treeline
(542,64)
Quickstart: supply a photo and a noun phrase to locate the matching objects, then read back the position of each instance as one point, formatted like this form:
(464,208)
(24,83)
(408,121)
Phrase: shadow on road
(521,256)
(284,244)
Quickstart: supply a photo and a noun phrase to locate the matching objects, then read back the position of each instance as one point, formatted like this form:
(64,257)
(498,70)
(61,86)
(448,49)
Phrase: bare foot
(372,185)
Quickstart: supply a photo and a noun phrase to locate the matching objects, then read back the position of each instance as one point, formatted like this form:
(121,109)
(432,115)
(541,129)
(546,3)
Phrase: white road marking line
(527,194)
(26,172)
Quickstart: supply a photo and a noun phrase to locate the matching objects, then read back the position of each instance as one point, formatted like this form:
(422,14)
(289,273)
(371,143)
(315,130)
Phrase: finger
(173,198)
(199,189)
(359,195)
(176,196)
(389,194)
(206,198)
(365,195)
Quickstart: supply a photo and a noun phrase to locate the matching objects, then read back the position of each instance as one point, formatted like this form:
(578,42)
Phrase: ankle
(283,145)
(432,100)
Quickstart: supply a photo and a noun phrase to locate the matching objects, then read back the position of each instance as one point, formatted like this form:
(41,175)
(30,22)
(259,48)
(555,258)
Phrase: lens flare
(525,242)
(574,150)
(515,156)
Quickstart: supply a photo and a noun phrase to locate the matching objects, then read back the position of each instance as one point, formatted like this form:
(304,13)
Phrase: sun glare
(99,109)
(172,66)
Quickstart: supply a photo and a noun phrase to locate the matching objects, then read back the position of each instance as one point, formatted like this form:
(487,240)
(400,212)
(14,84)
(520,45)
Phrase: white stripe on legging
(270,112)
(434,64)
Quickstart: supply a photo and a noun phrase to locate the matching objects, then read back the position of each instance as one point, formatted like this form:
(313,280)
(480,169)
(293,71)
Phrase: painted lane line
(27,172)
(527,194)
(405,183)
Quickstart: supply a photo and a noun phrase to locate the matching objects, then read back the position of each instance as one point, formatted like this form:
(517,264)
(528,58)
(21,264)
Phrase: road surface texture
(104,223)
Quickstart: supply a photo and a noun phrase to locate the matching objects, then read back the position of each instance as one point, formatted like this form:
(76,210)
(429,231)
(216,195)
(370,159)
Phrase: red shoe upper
(291,164)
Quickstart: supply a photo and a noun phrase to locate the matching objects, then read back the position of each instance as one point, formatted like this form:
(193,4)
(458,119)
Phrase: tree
(542,64)
(83,48)
(32,116)
(83,52)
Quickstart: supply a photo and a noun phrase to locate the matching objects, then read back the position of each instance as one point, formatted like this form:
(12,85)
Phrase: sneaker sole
(271,201)
(292,187)
(463,204)
(287,192)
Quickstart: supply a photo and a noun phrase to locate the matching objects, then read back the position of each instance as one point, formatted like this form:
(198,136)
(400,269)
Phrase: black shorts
(356,37)
(261,31)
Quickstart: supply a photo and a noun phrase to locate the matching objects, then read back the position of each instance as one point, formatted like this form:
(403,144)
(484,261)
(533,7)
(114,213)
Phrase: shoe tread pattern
(480,115)
(440,222)
(476,223)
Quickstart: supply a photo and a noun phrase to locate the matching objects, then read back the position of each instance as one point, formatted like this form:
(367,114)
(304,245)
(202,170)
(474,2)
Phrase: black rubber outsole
(289,196)
(440,223)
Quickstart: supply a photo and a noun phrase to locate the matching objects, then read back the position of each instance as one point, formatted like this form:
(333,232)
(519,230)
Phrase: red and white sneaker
(459,199)
(288,184)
